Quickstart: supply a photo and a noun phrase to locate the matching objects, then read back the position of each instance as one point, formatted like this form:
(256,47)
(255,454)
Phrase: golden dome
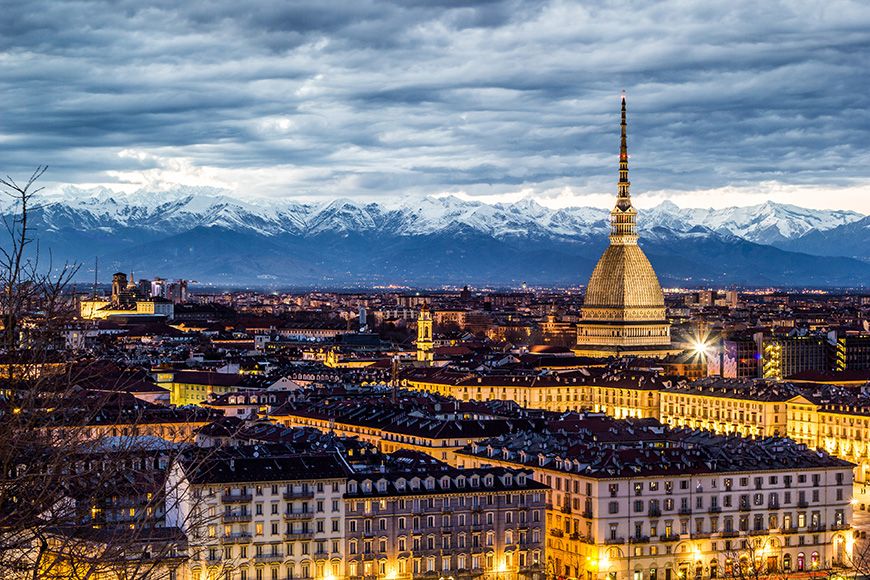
(624,286)
(624,309)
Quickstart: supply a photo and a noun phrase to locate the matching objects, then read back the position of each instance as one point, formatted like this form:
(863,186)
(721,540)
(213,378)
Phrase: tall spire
(624,197)
(623,229)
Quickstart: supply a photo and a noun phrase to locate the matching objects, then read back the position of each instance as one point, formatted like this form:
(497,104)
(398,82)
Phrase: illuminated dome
(624,309)
(624,286)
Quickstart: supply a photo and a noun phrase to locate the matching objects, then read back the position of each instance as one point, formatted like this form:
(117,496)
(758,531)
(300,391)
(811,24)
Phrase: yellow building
(628,394)
(335,360)
(193,387)
(840,429)
(725,406)
(102,308)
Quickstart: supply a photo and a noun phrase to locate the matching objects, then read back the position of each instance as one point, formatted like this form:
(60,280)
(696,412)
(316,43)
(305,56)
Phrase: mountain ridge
(205,233)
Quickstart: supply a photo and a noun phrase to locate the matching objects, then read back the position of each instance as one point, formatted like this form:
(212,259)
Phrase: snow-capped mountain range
(185,208)
(209,234)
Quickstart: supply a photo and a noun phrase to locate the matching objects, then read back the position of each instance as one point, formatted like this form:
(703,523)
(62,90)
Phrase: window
(613,507)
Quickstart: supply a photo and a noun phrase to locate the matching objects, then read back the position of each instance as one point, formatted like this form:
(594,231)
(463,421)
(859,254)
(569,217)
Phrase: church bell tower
(425,344)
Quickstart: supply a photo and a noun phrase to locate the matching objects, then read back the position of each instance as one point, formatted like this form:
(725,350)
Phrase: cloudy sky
(731,102)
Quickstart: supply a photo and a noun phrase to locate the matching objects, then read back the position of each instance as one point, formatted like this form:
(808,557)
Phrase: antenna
(96,271)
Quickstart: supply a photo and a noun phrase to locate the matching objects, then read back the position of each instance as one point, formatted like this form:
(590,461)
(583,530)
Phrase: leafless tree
(752,559)
(83,471)
(859,559)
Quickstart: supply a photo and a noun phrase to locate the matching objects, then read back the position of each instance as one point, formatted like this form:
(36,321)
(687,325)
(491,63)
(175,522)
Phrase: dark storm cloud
(373,97)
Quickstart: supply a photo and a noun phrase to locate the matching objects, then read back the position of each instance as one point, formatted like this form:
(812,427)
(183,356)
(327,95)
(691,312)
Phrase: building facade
(786,356)
(260,518)
(709,507)
(444,522)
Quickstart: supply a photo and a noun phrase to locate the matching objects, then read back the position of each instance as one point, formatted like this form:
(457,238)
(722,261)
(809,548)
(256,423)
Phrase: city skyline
(492,102)
(435,290)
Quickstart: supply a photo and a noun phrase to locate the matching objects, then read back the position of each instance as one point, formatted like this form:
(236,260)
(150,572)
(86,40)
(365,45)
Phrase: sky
(730,103)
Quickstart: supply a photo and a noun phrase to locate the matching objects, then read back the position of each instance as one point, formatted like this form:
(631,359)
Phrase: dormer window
(487,481)
(351,487)
(445,483)
(382,486)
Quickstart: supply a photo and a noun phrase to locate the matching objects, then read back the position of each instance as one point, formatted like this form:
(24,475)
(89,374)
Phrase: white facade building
(250,518)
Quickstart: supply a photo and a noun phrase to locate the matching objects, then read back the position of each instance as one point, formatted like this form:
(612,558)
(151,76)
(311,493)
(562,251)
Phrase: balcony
(301,494)
(556,532)
(803,503)
(654,512)
(669,537)
(684,511)
(566,509)
(269,557)
(291,536)
(730,534)
(238,538)
(298,515)
(745,507)
(638,540)
(242,498)
(836,527)
(587,514)
(773,506)
(714,509)
(229,518)
(614,541)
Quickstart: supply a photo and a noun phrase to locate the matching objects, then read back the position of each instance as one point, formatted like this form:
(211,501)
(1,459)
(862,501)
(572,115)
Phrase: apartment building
(415,423)
(419,518)
(260,518)
(837,421)
(682,504)
(618,393)
(745,407)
